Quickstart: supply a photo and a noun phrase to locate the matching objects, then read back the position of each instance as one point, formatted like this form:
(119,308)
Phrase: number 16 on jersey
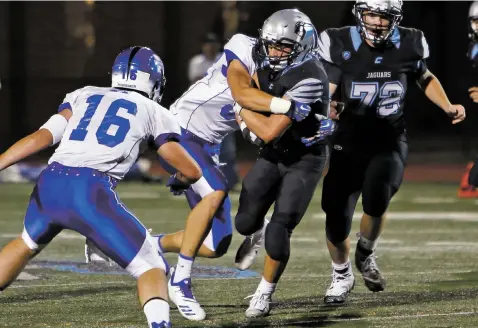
(111,122)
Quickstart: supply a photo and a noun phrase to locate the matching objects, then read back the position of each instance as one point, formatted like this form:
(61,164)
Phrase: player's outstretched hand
(473,94)
(176,186)
(457,113)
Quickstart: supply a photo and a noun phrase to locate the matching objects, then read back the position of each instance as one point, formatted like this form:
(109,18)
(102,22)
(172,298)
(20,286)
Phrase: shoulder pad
(332,42)
(415,40)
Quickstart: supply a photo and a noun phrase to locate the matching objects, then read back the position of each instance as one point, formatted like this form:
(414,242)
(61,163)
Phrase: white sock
(266,287)
(367,244)
(341,268)
(156,311)
(183,268)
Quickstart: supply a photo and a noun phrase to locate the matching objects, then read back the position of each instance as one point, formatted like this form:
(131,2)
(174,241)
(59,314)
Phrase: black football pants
(376,175)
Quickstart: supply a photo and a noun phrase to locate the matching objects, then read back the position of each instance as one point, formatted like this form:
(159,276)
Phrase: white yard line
(406,215)
(452,243)
(434,200)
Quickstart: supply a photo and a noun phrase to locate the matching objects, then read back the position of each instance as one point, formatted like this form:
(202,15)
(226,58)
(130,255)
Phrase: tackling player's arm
(188,170)
(265,128)
(49,134)
(239,82)
(166,134)
(434,91)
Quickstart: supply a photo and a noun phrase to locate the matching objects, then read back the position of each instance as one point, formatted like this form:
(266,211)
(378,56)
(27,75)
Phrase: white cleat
(340,288)
(181,294)
(247,252)
(259,305)
(94,255)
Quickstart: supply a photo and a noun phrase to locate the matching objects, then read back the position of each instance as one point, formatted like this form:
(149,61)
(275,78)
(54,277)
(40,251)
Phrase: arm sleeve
(69,100)
(166,128)
(240,48)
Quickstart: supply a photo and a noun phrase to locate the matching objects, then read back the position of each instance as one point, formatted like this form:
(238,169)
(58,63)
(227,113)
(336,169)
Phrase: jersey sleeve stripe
(230,56)
(306,91)
(65,105)
(324,47)
(166,137)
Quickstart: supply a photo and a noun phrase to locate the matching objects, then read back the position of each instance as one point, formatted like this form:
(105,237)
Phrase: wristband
(279,105)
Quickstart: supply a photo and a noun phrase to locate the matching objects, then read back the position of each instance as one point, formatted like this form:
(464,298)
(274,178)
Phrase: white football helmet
(389,9)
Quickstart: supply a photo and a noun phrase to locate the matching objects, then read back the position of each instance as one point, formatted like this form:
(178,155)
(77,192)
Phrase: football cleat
(341,286)
(365,263)
(94,255)
(247,252)
(181,294)
(259,306)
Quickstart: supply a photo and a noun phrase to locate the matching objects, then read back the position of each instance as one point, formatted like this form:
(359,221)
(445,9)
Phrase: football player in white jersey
(100,131)
(206,115)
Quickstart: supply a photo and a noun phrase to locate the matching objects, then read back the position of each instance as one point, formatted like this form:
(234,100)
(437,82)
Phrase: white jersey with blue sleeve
(206,108)
(107,128)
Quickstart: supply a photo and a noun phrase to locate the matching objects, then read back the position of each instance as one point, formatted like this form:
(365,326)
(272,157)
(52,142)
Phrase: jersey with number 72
(373,81)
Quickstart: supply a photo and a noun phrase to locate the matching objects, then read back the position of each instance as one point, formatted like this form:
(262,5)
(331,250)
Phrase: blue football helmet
(139,69)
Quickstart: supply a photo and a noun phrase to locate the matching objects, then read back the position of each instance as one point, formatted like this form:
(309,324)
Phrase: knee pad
(247,224)
(277,241)
(223,246)
(146,259)
(376,202)
(337,227)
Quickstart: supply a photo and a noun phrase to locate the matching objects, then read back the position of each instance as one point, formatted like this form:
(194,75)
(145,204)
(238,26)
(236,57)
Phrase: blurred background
(52,48)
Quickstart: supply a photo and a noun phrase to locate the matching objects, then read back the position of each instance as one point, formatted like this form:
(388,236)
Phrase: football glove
(326,128)
(176,186)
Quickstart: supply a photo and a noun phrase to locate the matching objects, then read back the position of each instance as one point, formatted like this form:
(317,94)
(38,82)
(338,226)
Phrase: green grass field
(429,253)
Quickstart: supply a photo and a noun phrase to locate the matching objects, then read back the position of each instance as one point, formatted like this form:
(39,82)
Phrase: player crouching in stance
(370,63)
(292,155)
(100,131)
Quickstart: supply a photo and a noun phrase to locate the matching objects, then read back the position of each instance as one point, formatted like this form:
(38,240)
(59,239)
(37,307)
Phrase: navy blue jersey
(372,81)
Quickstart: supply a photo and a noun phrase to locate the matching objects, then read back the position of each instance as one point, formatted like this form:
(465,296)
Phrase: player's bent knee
(223,246)
(146,259)
(277,241)
(337,228)
(246,224)
(376,205)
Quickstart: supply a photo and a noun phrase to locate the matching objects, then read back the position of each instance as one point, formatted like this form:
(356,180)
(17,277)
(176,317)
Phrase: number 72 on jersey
(390,95)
